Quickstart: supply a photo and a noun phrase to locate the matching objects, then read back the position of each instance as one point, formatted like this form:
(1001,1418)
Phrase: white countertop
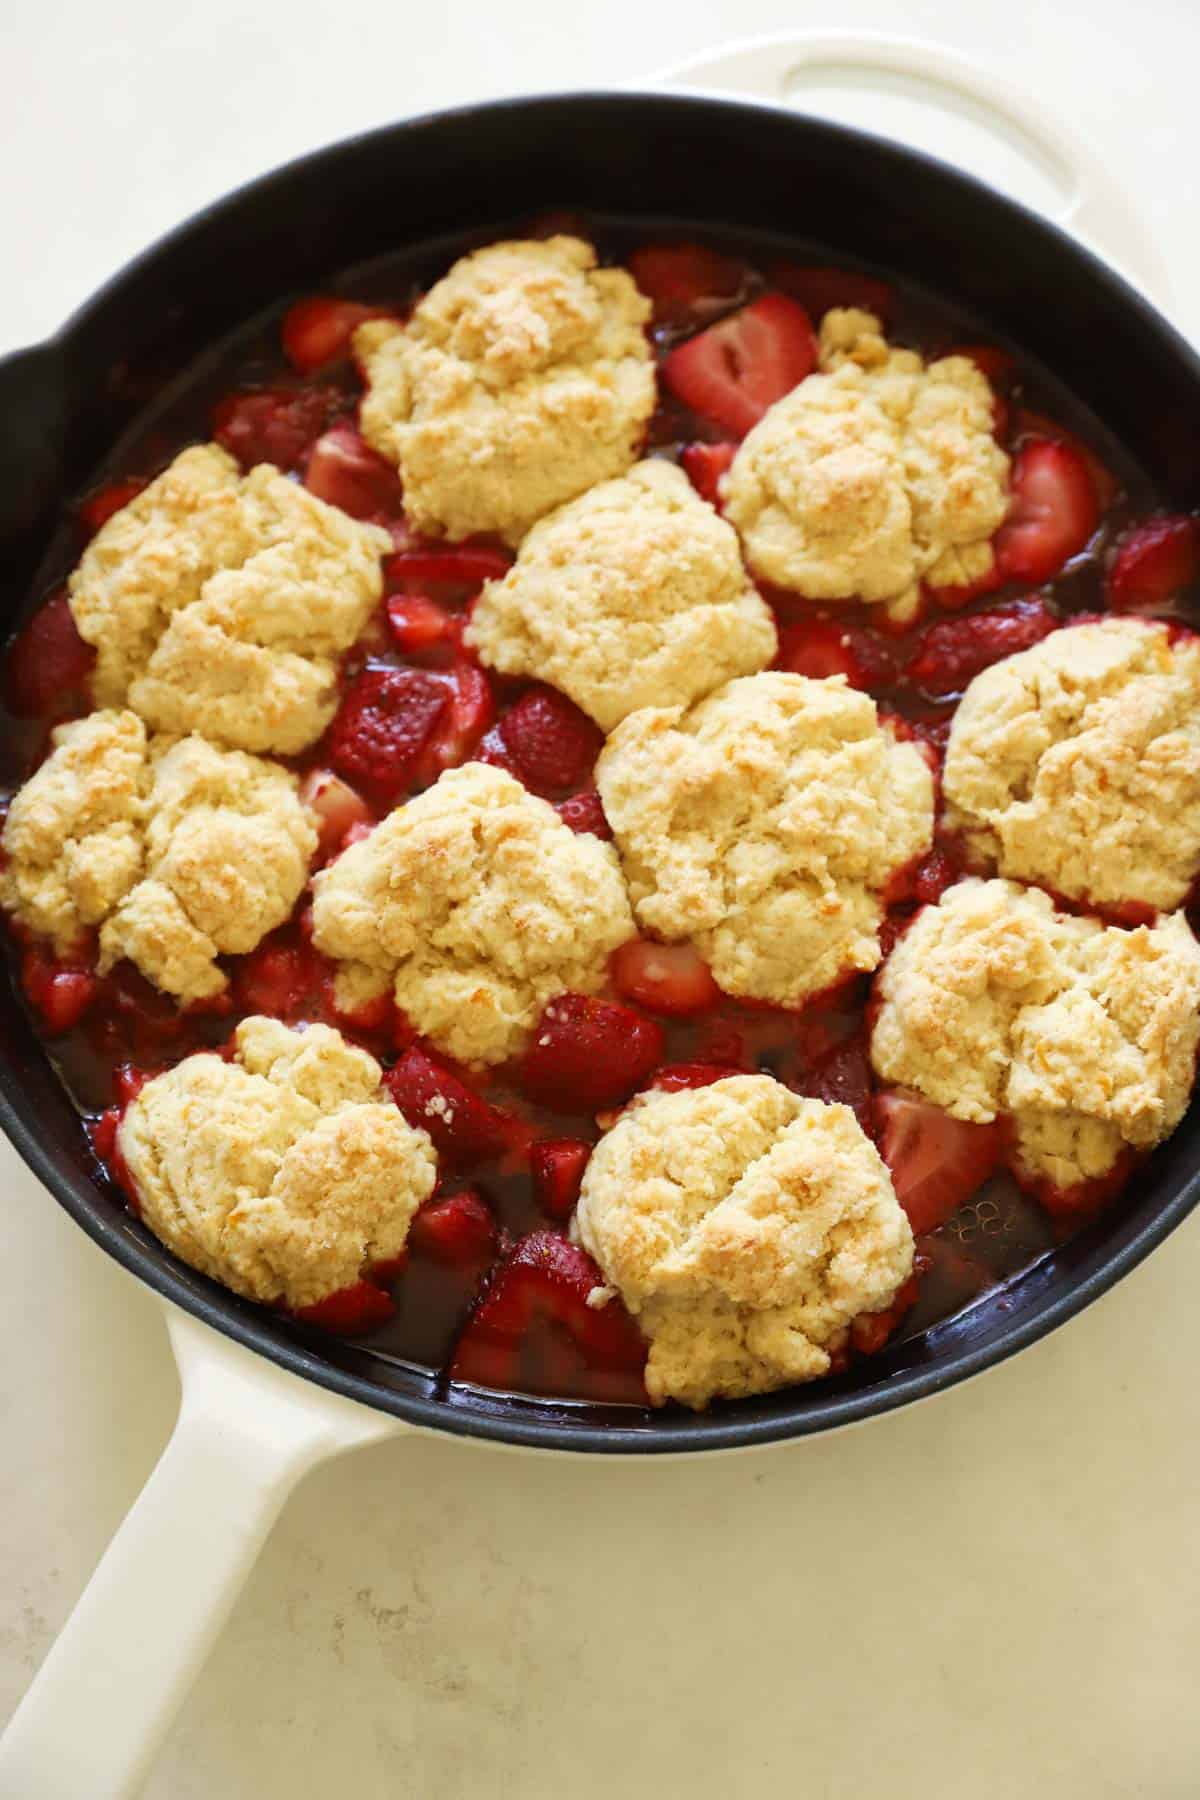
(993,1594)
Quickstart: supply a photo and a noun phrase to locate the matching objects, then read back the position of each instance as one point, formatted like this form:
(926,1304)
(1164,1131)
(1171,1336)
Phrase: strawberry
(584,811)
(49,666)
(464,1127)
(456,1228)
(820,646)
(935,872)
(472,709)
(664,978)
(1030,425)
(99,507)
(997,365)
(343,469)
(376,1014)
(704,465)
(557,1166)
(818,289)
(672,1078)
(936,1161)
(275,425)
(102,1133)
(738,368)
(318,330)
(1153,563)
(589,1053)
(869,1332)
(336,806)
(842,1077)
(953,599)
(387,720)
(424,630)
(551,743)
(128,1082)
(952,652)
(351,1312)
(1054,512)
(678,278)
(274,979)
(453,573)
(61,993)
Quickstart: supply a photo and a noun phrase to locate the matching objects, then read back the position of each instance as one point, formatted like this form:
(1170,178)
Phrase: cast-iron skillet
(710,165)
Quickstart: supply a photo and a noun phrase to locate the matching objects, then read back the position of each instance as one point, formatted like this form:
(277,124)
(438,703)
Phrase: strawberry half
(457,1229)
(49,665)
(936,1162)
(424,630)
(61,994)
(557,1166)
(433,1097)
(678,278)
(818,289)
(351,1312)
(318,330)
(337,807)
(842,1077)
(387,720)
(664,978)
(584,811)
(1153,563)
(952,652)
(1054,512)
(589,1053)
(275,425)
(704,465)
(551,743)
(735,370)
(343,470)
(673,1078)
(820,646)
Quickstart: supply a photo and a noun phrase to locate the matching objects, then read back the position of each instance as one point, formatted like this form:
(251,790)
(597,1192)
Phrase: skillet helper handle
(1073,184)
(107,1693)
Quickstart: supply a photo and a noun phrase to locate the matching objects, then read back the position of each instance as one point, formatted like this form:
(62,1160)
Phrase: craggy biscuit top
(633,595)
(177,851)
(763,826)
(220,603)
(286,1173)
(994,1003)
(522,378)
(1077,764)
(876,473)
(478,905)
(746,1228)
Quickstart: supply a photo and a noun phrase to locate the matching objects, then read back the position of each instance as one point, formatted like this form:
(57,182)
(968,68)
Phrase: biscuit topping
(285,1173)
(872,476)
(177,851)
(1077,764)
(477,904)
(763,826)
(522,378)
(633,595)
(993,1003)
(745,1228)
(220,603)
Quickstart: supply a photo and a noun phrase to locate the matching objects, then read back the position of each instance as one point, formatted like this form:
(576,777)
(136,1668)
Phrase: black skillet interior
(716,167)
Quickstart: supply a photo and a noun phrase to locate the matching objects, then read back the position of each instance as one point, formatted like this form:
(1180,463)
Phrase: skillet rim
(778,1418)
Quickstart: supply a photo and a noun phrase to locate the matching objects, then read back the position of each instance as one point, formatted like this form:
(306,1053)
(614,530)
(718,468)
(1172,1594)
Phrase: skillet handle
(107,1693)
(910,90)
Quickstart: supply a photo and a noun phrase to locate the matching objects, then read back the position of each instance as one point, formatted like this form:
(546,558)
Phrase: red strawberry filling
(664,978)
(465,1129)
(317,331)
(589,1053)
(1154,562)
(458,1229)
(818,289)
(584,811)
(1053,514)
(99,507)
(936,1161)
(62,993)
(680,278)
(734,371)
(704,465)
(351,1312)
(388,720)
(343,470)
(547,742)
(338,808)
(275,425)
(49,665)
(821,645)
(952,652)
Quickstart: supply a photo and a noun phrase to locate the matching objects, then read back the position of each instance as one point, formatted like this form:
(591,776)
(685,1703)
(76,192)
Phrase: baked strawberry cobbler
(614,819)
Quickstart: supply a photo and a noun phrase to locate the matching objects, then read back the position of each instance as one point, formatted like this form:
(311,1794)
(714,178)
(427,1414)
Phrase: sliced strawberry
(551,743)
(1153,563)
(678,278)
(820,646)
(387,720)
(275,425)
(589,1053)
(102,1132)
(336,805)
(842,1077)
(1053,513)
(952,652)
(351,1312)
(953,599)
(370,1016)
(673,1078)
(49,665)
(584,811)
(1072,1205)
(99,507)
(343,469)
(1030,425)
(452,576)
(936,1162)
(434,1097)
(275,980)
(317,331)
(819,289)
(128,1082)
(62,994)
(738,368)
(424,630)
(472,709)
(664,978)
(458,1229)
(869,1332)
(935,872)
(704,465)
(557,1166)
